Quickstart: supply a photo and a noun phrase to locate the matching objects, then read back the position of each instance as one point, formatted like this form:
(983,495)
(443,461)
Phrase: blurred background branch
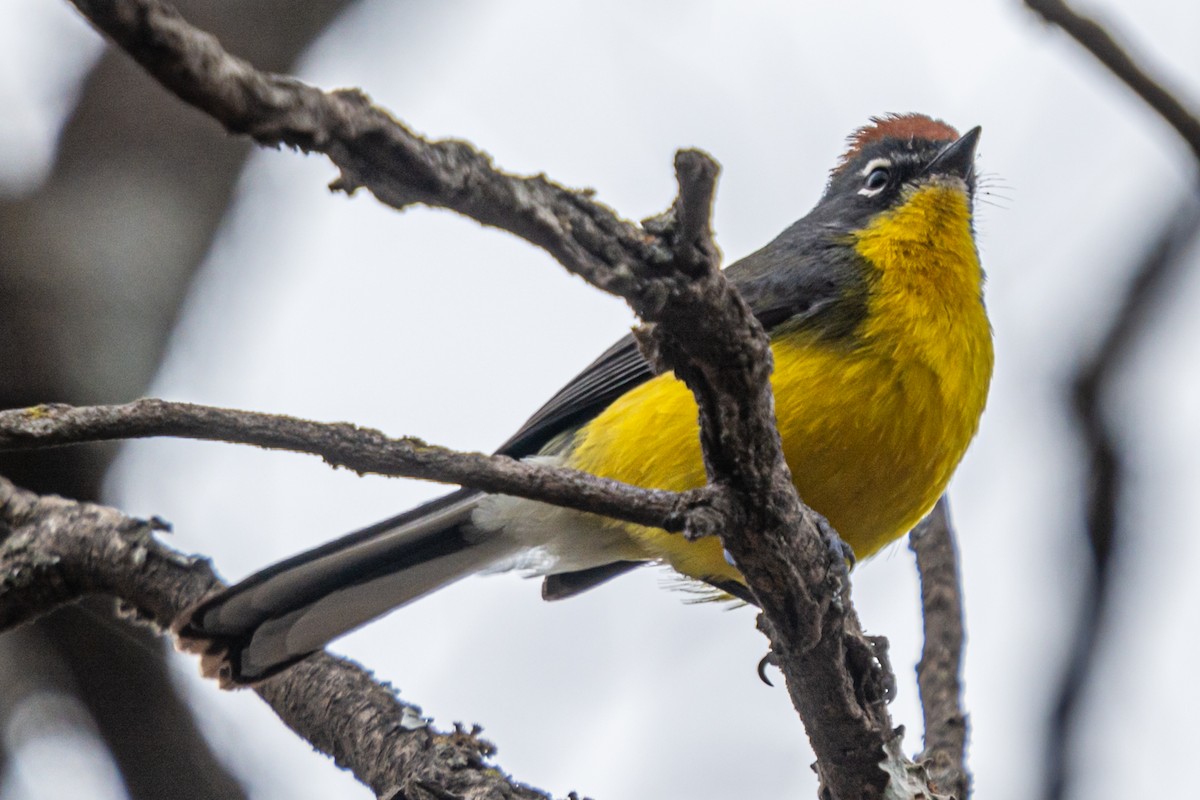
(94,266)
(1103,45)
(1106,491)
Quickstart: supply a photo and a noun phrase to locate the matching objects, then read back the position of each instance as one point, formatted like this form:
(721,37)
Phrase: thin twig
(341,444)
(939,670)
(1101,44)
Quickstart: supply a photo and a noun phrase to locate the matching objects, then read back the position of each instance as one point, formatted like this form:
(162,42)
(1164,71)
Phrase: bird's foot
(839,551)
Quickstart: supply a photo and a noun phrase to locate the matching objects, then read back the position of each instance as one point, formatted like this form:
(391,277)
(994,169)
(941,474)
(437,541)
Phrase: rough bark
(55,551)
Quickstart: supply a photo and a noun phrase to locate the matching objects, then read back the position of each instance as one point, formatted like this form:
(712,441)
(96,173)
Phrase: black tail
(276,617)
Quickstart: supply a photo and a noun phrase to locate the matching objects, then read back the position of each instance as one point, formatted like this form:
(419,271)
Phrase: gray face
(875,177)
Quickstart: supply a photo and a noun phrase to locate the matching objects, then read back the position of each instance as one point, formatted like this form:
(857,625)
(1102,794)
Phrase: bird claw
(766,661)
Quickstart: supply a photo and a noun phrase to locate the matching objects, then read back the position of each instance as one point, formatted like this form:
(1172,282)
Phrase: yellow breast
(873,427)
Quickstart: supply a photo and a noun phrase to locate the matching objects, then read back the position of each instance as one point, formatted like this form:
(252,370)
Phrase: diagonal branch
(669,274)
(54,551)
(1101,44)
(374,151)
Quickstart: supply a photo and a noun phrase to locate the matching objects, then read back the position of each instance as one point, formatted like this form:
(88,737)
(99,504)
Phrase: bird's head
(891,160)
(896,215)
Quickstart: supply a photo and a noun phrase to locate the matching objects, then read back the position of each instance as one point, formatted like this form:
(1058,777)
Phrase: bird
(883,356)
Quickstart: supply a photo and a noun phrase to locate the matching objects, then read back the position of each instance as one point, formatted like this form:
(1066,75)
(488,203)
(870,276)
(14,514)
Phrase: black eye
(877,179)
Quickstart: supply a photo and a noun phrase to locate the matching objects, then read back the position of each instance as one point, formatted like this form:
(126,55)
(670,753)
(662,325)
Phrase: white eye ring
(876,175)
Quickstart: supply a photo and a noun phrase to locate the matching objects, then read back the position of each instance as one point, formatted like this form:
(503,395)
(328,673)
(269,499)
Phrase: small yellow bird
(883,356)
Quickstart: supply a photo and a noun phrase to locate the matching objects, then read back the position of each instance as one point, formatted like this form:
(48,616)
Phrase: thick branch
(54,551)
(1100,43)
(669,274)
(834,677)
(938,672)
(341,444)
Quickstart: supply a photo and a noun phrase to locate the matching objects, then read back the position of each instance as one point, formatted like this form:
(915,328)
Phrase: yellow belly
(872,428)
(871,445)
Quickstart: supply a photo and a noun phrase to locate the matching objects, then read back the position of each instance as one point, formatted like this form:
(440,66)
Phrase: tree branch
(55,551)
(341,444)
(700,327)
(376,152)
(938,672)
(1101,44)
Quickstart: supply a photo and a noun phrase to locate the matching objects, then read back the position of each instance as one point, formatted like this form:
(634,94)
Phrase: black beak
(957,158)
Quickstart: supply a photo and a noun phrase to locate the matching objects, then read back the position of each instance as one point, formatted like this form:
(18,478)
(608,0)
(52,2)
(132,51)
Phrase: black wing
(795,282)
(619,369)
